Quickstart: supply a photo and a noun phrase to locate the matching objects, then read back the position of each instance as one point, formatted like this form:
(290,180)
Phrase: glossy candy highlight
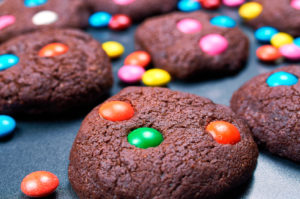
(188,5)
(250,10)
(113,49)
(268,53)
(213,44)
(53,49)
(282,78)
(6,20)
(119,22)
(281,39)
(189,26)
(7,61)
(290,51)
(145,138)
(44,17)
(116,111)
(7,125)
(34,3)
(131,73)
(265,34)
(156,77)
(223,21)
(100,19)
(138,58)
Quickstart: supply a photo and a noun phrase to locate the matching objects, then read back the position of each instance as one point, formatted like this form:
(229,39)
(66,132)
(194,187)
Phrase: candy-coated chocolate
(297,41)
(188,5)
(210,4)
(131,73)
(116,111)
(53,49)
(39,184)
(268,53)
(7,61)
(123,2)
(213,44)
(34,3)
(119,22)
(7,125)
(100,19)
(138,58)
(145,138)
(224,132)
(6,20)
(113,49)
(250,10)
(45,17)
(189,26)
(265,34)
(223,21)
(290,51)
(282,78)
(156,77)
(233,3)
(281,39)
(295,4)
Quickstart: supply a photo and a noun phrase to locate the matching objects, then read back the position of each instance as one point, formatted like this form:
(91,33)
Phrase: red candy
(268,53)
(39,184)
(119,22)
(116,111)
(224,132)
(138,58)
(210,4)
(53,49)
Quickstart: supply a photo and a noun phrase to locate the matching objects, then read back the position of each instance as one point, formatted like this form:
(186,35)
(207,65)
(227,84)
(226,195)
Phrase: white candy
(45,17)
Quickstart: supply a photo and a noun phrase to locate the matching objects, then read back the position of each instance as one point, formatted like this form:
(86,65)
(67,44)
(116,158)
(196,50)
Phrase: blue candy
(7,125)
(282,79)
(7,61)
(297,41)
(223,21)
(34,3)
(188,5)
(100,19)
(265,34)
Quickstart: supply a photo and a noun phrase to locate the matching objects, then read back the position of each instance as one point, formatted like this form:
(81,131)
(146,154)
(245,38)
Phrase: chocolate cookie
(137,10)
(52,71)
(270,103)
(189,44)
(156,143)
(22,16)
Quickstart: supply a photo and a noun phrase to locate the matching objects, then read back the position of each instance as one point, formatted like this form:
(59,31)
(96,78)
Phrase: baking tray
(45,143)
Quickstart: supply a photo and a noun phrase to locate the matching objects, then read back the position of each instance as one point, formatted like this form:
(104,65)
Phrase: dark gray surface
(44,144)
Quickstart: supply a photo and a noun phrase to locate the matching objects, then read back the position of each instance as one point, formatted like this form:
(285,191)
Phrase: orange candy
(39,184)
(224,132)
(53,49)
(116,111)
(268,53)
(138,58)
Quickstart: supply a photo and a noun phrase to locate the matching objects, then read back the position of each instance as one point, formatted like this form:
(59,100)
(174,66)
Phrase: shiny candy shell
(265,34)
(7,61)
(116,111)
(138,58)
(156,77)
(113,49)
(100,19)
(6,20)
(297,41)
(189,26)
(268,53)
(223,21)
(281,39)
(44,17)
(145,138)
(34,3)
(282,78)
(188,5)
(213,44)
(53,49)
(250,10)
(295,4)
(7,125)
(210,4)
(233,3)
(119,22)
(131,73)
(123,2)
(39,184)
(290,51)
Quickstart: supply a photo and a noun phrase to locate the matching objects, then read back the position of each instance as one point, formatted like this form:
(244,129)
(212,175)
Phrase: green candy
(145,137)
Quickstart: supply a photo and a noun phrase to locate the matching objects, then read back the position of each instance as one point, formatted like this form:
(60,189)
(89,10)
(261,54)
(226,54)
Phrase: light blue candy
(188,5)
(7,125)
(223,21)
(7,61)
(100,19)
(34,3)
(265,34)
(282,79)
(297,41)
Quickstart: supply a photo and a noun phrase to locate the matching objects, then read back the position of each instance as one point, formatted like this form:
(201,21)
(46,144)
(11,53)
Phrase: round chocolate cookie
(270,103)
(22,16)
(52,71)
(189,44)
(137,10)
(156,143)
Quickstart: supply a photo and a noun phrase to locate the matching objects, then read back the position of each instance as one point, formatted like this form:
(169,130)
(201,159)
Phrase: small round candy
(189,26)
(34,3)
(119,22)
(7,125)
(224,132)
(213,44)
(53,49)
(282,78)
(131,73)
(116,111)
(39,184)
(281,39)
(295,4)
(210,4)
(45,17)
(138,58)
(113,49)
(7,61)
(290,51)
(145,138)
(297,41)
(156,77)
(265,34)
(250,10)
(233,3)
(123,2)
(6,20)
(223,21)
(188,5)
(268,53)
(100,19)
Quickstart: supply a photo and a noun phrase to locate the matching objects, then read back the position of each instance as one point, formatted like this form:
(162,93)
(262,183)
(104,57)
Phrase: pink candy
(189,26)
(290,51)
(6,20)
(213,44)
(123,2)
(295,4)
(131,73)
(233,3)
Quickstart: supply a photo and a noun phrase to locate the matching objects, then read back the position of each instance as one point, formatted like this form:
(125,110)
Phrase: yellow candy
(281,39)
(156,77)
(113,49)
(250,10)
